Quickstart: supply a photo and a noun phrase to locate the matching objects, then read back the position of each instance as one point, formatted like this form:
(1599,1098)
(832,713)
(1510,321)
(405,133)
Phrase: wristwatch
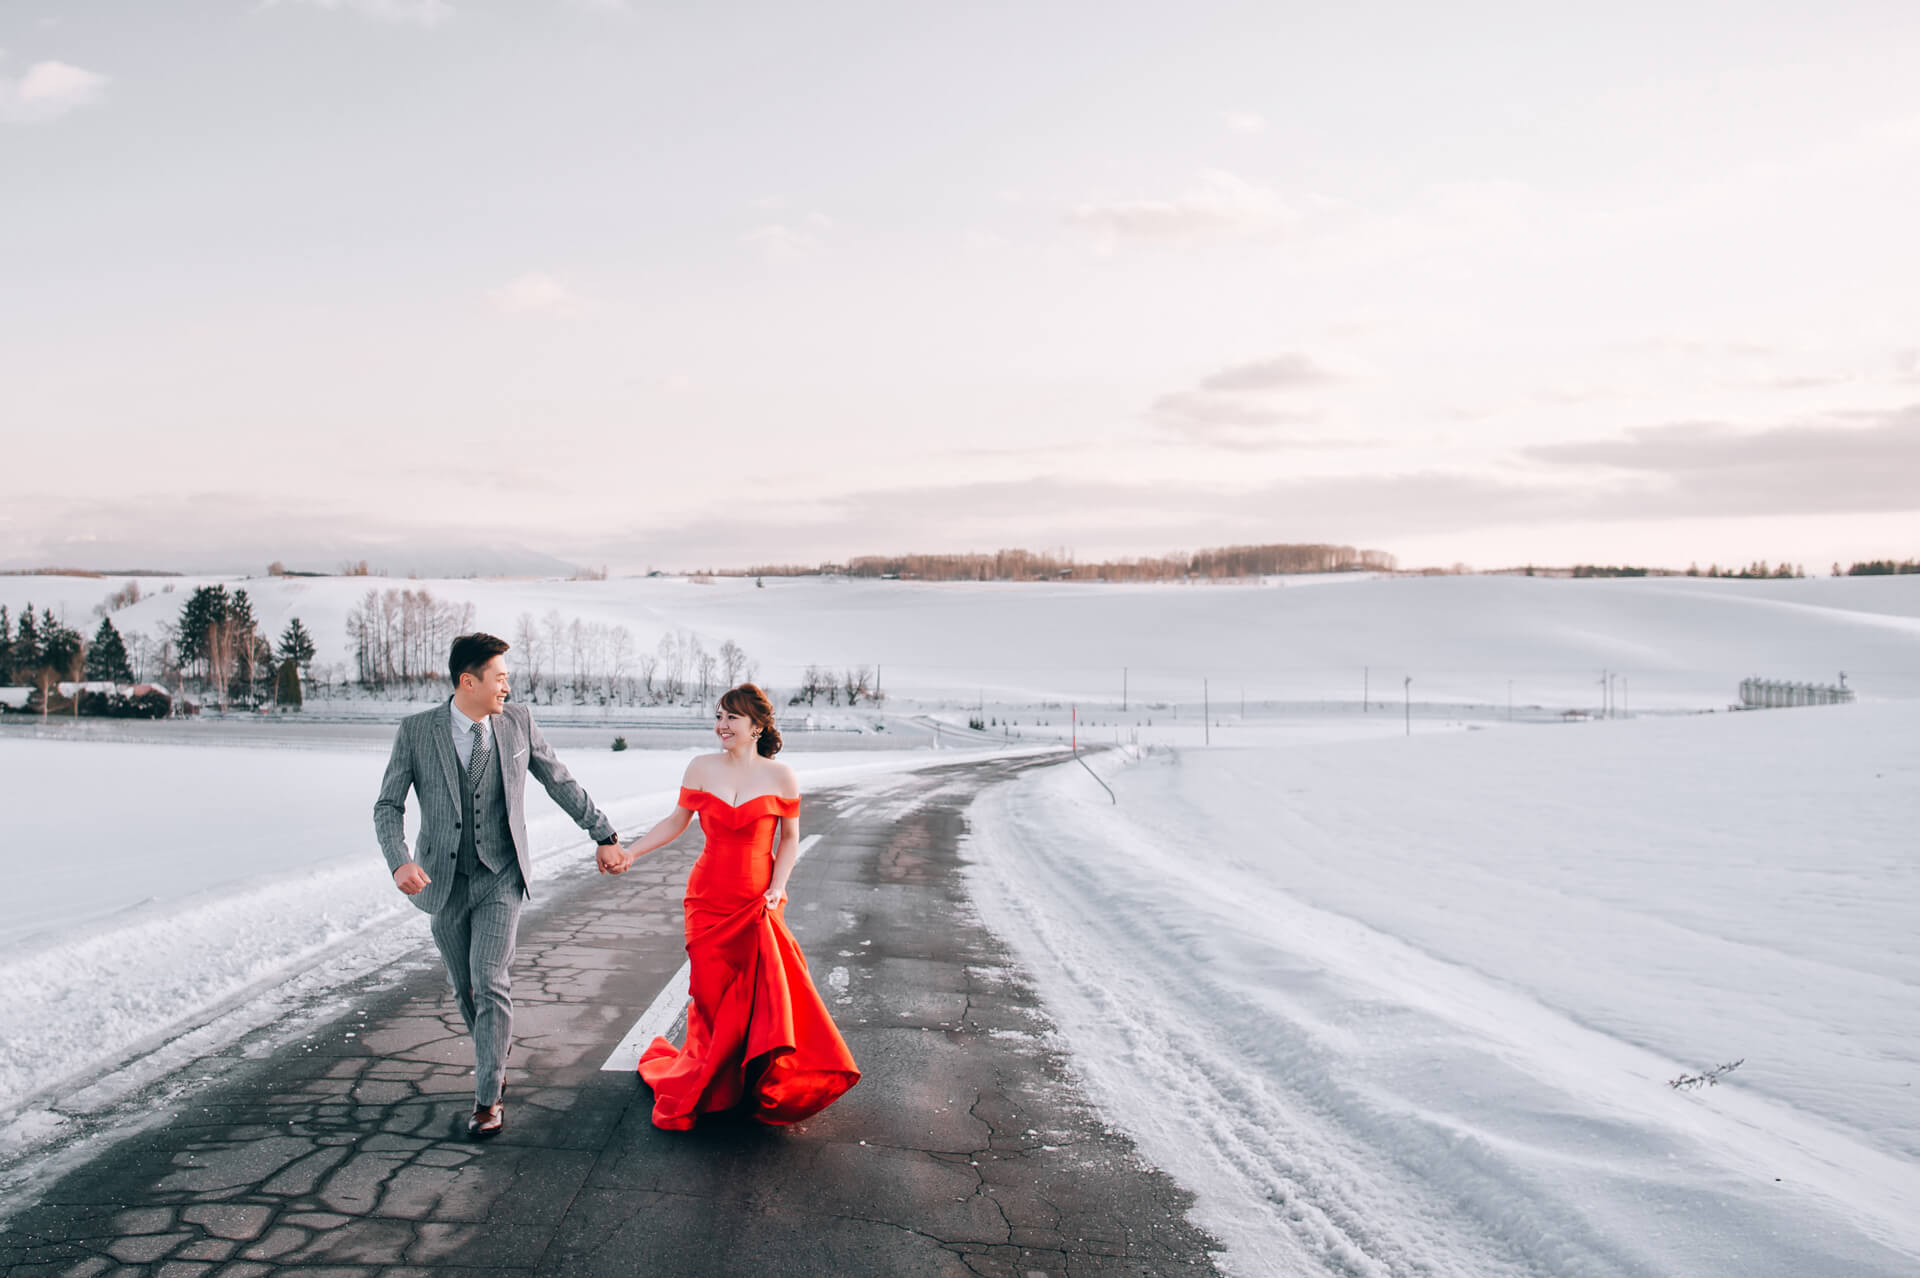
(608,842)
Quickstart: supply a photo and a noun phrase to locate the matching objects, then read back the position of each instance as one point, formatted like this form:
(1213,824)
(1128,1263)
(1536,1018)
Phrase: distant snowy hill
(1676,643)
(419,559)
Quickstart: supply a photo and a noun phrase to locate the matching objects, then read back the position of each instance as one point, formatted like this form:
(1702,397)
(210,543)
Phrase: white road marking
(665,1009)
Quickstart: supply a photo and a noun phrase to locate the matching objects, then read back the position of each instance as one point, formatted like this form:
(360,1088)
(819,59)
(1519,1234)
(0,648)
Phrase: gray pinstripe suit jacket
(424,760)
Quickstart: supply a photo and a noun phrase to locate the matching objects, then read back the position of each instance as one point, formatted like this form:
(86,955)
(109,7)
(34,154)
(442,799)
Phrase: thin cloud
(227,531)
(418,13)
(1222,421)
(1710,468)
(49,90)
(1119,518)
(1891,438)
(533,293)
(1680,471)
(1221,202)
(778,242)
(1282,372)
(1233,408)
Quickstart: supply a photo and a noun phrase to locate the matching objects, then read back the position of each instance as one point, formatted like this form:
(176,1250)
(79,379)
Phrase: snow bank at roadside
(1412,1005)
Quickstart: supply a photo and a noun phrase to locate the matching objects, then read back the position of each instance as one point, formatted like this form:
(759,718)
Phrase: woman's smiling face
(732,729)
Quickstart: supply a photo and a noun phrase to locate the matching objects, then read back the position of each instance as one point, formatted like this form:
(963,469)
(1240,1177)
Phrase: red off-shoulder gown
(757,1031)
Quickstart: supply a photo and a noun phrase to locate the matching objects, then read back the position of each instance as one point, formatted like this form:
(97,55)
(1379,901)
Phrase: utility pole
(1406,686)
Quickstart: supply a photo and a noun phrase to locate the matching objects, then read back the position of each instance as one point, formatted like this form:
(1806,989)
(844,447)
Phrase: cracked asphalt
(966,1148)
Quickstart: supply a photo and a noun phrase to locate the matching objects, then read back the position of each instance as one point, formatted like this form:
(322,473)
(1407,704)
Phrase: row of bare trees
(402,636)
(1028,565)
(855,683)
(555,658)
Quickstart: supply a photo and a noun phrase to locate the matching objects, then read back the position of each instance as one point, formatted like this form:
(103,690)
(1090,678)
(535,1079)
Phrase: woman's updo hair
(747,699)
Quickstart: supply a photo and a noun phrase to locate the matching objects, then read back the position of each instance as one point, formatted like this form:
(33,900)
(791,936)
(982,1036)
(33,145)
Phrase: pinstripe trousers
(475,931)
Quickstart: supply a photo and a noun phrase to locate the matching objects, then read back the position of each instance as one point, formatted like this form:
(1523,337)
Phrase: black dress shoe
(487,1120)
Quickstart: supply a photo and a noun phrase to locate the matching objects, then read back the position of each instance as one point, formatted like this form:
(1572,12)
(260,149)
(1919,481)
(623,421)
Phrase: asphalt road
(966,1148)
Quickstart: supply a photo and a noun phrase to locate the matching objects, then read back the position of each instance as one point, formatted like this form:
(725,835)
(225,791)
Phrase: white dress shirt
(463,733)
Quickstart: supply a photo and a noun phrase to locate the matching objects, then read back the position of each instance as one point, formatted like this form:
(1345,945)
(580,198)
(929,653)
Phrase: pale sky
(679,286)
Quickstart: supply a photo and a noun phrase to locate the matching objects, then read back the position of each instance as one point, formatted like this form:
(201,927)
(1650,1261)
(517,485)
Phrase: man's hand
(411,879)
(612,858)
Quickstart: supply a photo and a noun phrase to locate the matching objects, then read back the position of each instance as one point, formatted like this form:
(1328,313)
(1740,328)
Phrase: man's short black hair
(471,652)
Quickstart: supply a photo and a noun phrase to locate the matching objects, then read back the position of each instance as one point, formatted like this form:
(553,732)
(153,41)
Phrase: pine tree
(107,657)
(265,669)
(287,693)
(6,647)
(26,645)
(297,644)
(243,633)
(60,648)
(240,611)
(204,612)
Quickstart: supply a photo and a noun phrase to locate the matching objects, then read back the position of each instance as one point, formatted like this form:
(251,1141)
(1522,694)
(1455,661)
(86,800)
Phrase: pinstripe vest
(485,837)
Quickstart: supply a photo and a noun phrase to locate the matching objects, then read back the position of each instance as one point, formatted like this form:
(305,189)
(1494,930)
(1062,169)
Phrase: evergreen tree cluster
(1755,571)
(217,640)
(221,644)
(1603,570)
(1881,568)
(41,650)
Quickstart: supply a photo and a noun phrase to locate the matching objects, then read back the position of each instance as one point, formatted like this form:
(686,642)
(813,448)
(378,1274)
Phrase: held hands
(613,859)
(411,879)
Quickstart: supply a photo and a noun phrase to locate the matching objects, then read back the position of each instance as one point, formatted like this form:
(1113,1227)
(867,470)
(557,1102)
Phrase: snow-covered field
(1388,1005)
(1412,1006)
(1677,642)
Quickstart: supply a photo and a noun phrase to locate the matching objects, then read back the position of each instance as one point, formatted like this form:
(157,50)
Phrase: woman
(757,1033)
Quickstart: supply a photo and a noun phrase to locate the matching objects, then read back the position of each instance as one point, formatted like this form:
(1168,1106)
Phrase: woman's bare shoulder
(786,778)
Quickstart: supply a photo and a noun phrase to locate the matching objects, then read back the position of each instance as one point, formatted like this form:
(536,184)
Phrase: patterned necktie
(477,756)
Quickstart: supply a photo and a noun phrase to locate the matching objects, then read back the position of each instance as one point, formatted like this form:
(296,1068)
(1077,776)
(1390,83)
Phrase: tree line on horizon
(1880,568)
(1755,571)
(1026,565)
(1029,565)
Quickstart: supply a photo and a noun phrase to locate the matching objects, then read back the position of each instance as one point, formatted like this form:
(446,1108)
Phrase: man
(468,760)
